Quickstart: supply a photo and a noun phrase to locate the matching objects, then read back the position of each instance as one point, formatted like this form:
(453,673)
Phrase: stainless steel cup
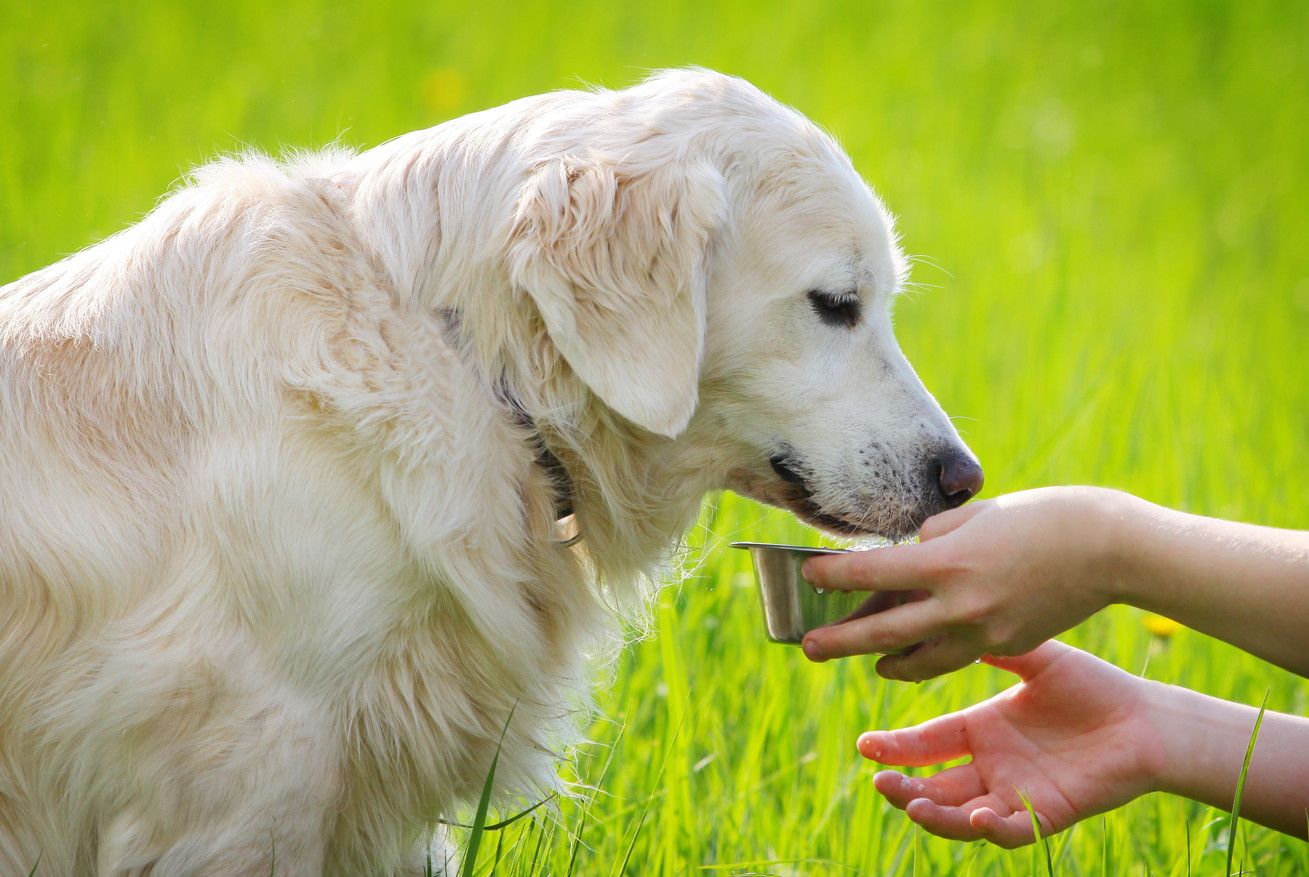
(792,606)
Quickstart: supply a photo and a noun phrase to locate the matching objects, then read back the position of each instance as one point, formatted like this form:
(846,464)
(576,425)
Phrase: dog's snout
(959,477)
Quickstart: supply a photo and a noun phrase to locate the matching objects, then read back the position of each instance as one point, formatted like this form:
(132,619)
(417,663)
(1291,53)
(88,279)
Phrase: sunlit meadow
(1107,205)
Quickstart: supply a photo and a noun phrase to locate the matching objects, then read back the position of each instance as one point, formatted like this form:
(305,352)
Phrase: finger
(893,568)
(887,631)
(880,601)
(941,739)
(1013,830)
(951,823)
(938,525)
(896,788)
(949,788)
(933,658)
(1034,662)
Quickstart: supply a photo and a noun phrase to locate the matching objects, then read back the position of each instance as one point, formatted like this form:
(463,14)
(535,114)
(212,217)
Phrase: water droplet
(820,590)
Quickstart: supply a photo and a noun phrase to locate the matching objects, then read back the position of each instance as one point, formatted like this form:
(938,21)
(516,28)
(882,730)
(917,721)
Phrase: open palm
(1072,737)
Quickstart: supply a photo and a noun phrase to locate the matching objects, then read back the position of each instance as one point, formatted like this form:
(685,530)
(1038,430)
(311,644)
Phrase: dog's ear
(614,259)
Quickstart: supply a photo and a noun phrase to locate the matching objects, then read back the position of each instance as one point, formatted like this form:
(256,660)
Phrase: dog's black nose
(959,477)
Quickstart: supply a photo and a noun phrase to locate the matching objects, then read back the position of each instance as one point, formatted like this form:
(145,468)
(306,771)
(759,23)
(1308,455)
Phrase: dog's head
(713,269)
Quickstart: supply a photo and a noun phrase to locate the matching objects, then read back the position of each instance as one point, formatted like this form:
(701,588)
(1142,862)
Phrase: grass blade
(1240,786)
(586,811)
(645,811)
(1188,848)
(543,838)
(483,805)
(499,851)
(504,823)
(627,857)
(1036,832)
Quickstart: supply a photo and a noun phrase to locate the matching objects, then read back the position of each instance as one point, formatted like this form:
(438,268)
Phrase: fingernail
(807,569)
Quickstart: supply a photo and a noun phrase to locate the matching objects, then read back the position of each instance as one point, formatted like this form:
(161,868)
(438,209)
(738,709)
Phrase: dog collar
(566,530)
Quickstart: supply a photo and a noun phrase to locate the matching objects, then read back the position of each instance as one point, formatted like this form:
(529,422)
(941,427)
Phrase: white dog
(281,465)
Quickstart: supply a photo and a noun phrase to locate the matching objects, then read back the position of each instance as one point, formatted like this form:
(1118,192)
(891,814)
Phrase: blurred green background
(1108,203)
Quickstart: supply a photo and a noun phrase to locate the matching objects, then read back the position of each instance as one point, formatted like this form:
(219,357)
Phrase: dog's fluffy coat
(276,555)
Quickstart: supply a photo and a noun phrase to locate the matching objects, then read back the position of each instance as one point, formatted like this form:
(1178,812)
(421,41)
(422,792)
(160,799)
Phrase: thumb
(1034,662)
(948,521)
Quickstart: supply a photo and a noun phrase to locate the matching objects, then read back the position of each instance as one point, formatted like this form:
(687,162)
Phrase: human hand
(995,577)
(1075,736)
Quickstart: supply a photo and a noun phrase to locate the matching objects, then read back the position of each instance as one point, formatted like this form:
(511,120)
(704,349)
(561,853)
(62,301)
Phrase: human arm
(1002,575)
(1079,737)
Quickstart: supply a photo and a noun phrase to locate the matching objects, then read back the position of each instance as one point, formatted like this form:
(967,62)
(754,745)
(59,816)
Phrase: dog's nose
(959,476)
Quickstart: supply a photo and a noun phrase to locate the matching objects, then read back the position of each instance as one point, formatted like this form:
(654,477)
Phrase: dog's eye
(836,309)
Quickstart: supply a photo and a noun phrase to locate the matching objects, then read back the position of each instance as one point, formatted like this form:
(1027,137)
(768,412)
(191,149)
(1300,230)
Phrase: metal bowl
(792,606)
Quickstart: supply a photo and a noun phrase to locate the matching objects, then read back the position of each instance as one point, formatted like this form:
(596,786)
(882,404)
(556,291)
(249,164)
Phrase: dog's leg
(279,832)
(218,767)
(287,839)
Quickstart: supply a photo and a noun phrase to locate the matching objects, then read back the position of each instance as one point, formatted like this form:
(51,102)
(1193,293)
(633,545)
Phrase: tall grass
(1235,823)
(1107,202)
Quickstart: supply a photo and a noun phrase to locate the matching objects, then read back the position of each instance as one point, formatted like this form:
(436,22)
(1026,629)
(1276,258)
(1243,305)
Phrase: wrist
(1201,741)
(1169,743)
(1119,522)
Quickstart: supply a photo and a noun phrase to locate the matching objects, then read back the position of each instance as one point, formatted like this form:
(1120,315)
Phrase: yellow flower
(1160,626)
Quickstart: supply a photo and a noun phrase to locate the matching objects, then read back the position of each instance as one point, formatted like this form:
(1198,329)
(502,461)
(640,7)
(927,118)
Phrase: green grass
(1110,203)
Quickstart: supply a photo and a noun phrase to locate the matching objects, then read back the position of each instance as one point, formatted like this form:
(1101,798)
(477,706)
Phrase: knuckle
(894,639)
(862,560)
(953,571)
(939,566)
(881,644)
(976,611)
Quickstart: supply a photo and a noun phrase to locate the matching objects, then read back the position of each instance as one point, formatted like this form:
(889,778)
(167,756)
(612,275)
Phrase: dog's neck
(602,472)
(555,470)
(633,493)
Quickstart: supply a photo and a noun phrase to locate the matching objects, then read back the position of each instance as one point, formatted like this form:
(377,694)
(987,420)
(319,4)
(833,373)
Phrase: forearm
(1244,584)
(1204,743)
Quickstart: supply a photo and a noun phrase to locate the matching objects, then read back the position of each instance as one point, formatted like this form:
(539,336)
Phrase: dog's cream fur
(276,555)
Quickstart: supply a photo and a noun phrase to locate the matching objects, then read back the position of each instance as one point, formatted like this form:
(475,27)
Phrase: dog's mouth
(807,511)
(787,484)
(797,498)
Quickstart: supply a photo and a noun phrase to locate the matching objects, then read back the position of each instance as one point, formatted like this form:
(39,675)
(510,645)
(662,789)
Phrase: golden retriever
(282,465)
